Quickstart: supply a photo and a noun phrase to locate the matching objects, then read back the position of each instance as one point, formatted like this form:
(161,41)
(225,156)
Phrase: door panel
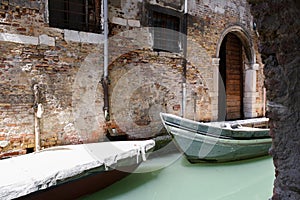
(231,70)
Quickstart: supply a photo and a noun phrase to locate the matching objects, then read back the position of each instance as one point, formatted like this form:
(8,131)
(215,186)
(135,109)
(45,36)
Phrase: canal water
(169,176)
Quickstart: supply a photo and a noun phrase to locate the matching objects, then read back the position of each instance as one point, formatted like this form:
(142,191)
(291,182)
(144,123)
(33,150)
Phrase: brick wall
(67,66)
(207,21)
(57,61)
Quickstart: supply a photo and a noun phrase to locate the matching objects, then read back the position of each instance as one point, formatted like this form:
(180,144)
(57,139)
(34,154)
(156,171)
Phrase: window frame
(86,14)
(151,9)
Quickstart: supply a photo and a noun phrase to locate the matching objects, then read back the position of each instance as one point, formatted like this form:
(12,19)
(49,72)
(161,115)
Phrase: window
(80,15)
(166,32)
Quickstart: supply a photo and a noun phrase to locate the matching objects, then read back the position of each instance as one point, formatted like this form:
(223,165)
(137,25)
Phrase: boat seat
(235,126)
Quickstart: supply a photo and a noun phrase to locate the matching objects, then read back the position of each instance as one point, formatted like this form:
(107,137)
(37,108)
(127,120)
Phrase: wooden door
(231,70)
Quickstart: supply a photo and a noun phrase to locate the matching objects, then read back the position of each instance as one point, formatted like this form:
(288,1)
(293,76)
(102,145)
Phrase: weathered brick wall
(33,53)
(207,21)
(144,83)
(67,65)
(279,44)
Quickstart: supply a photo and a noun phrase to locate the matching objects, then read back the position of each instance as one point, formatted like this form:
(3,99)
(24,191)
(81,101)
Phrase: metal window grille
(166,32)
(80,15)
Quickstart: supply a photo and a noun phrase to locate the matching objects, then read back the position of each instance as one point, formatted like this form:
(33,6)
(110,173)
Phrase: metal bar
(184,61)
(105,38)
(105,80)
(87,15)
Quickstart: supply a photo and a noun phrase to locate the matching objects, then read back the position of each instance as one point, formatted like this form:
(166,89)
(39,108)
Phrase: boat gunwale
(209,124)
(219,129)
(206,138)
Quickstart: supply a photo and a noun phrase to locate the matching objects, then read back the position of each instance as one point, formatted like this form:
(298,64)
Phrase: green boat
(227,129)
(198,146)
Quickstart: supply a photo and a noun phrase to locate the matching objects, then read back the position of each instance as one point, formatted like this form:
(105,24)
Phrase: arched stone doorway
(231,75)
(235,75)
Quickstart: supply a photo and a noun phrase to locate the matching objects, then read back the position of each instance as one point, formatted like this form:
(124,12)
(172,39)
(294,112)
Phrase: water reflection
(171,176)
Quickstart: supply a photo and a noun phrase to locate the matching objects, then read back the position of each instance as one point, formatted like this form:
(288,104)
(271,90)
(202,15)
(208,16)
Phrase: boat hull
(205,142)
(82,186)
(202,148)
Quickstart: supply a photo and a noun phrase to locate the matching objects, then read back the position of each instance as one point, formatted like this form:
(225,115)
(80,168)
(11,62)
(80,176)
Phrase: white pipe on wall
(105,81)
(37,115)
(105,10)
(183,100)
(183,109)
(264,101)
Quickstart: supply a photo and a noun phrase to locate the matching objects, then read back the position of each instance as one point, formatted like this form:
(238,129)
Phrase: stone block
(17,38)
(134,23)
(46,40)
(72,36)
(119,21)
(219,10)
(93,38)
(215,61)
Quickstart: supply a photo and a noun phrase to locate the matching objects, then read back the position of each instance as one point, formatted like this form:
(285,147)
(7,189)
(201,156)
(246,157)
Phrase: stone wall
(207,23)
(279,28)
(68,66)
(58,61)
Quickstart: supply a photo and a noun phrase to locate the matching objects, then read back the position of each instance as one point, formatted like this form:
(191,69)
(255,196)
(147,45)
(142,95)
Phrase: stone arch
(244,37)
(249,70)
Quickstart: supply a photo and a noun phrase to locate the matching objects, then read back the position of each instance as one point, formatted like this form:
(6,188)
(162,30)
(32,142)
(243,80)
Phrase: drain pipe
(184,62)
(264,101)
(38,112)
(105,80)
(185,6)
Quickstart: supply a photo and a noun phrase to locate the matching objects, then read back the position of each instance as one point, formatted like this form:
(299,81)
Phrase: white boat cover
(28,173)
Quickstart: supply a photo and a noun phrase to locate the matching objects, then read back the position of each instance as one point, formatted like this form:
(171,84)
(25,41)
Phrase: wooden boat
(68,172)
(204,142)
(229,129)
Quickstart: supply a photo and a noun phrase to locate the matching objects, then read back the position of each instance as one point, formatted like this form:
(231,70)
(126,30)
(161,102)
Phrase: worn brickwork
(68,66)
(153,84)
(279,44)
(41,55)
(206,22)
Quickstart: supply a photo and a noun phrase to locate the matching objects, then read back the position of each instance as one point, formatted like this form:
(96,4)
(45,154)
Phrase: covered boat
(71,171)
(207,142)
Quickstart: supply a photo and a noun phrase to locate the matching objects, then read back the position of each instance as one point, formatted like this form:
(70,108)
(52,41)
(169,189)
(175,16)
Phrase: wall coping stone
(84,37)
(18,38)
(69,35)
(46,40)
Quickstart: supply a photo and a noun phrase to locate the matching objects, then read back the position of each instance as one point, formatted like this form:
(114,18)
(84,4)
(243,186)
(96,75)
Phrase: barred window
(80,15)
(166,32)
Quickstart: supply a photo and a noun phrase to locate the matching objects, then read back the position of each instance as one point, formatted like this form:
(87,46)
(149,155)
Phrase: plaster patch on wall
(220,6)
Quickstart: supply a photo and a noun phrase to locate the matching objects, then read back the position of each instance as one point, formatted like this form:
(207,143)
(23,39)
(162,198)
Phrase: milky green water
(172,177)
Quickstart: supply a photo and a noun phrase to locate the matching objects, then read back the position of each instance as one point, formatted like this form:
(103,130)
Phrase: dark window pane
(166,32)
(81,15)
